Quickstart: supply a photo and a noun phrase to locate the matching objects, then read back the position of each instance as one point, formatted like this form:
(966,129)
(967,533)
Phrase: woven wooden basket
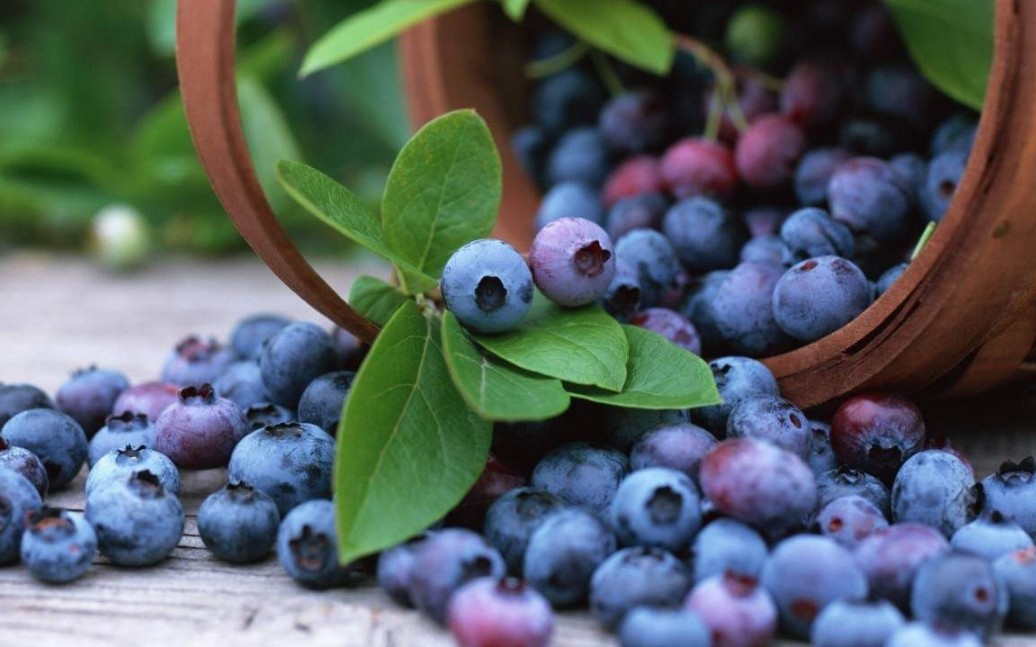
(961,320)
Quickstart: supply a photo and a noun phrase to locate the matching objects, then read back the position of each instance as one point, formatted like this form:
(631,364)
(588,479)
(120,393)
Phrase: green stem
(923,240)
(558,62)
(607,73)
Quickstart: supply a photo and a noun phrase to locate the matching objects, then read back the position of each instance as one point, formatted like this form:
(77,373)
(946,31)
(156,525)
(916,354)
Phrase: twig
(558,62)
(607,73)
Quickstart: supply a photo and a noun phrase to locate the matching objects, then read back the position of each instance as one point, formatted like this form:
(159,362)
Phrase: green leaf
(660,375)
(515,9)
(408,447)
(268,135)
(375,299)
(443,191)
(368,28)
(580,345)
(496,390)
(338,207)
(626,29)
(951,41)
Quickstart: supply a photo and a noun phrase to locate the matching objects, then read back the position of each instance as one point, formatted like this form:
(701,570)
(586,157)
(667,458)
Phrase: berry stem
(558,62)
(726,84)
(607,73)
(923,240)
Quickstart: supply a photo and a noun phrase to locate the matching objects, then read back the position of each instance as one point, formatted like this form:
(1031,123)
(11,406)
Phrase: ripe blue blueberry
(897,90)
(54,437)
(811,232)
(935,488)
(88,396)
(251,333)
(962,591)
(18,498)
(888,277)
(921,634)
(649,627)
(580,155)
(680,446)
(670,324)
(566,99)
(200,430)
(850,519)
(821,455)
(744,313)
(914,168)
(735,608)
(138,522)
(814,172)
(307,546)
(856,624)
(736,378)
(26,463)
(265,414)
(623,427)
(870,196)
(698,308)
(349,351)
(124,430)
(530,145)
(196,361)
(396,567)
(890,558)
(644,211)
(492,612)
(653,258)
(764,249)
(15,398)
(242,383)
(773,419)
(705,236)
(117,466)
(818,296)
(572,261)
(487,285)
(635,122)
(845,481)
(563,553)
(990,536)
(956,132)
(1017,573)
(295,356)
(290,462)
(656,507)
(944,174)
(622,298)
(582,475)
(570,200)
(446,561)
(58,546)
(322,401)
(763,220)
(728,546)
(513,517)
(1011,491)
(635,577)
(238,523)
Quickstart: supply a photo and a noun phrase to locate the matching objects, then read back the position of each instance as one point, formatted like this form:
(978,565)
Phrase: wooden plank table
(60,313)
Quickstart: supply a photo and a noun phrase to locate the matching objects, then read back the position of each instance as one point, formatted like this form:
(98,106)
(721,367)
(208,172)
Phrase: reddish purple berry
(635,177)
(850,519)
(877,432)
(88,396)
(814,172)
(670,324)
(738,611)
(396,567)
(201,430)
(446,561)
(768,152)
(149,398)
(635,577)
(24,462)
(572,261)
(871,196)
(813,93)
(679,445)
(490,612)
(774,419)
(695,166)
(891,556)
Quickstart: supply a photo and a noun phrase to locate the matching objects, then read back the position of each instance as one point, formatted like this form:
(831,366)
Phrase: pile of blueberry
(766,216)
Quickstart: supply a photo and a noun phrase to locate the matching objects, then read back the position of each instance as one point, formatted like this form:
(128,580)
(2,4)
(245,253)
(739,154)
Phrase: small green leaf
(375,299)
(951,41)
(408,447)
(269,137)
(338,207)
(580,345)
(660,374)
(626,29)
(496,390)
(443,191)
(368,28)
(515,9)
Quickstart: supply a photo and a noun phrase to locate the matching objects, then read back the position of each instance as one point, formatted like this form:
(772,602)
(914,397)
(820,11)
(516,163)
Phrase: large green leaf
(375,299)
(626,29)
(443,191)
(341,209)
(660,375)
(408,447)
(951,41)
(580,345)
(494,389)
(370,27)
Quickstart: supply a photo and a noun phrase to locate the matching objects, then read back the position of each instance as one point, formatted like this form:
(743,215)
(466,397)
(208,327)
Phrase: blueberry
(990,536)
(290,462)
(127,429)
(1017,574)
(88,396)
(656,507)
(242,383)
(811,232)
(492,612)
(814,173)
(582,475)
(291,359)
(644,211)
(117,466)
(773,419)
(1011,491)
(637,177)
(572,261)
(957,132)
(307,546)
(703,234)
(870,196)
(744,312)
(846,481)
(759,484)
(856,624)
(624,427)
(814,93)
(635,577)
(322,402)
(149,398)
(238,523)
(914,169)
(18,498)
(736,609)
(920,634)
(201,430)
(900,92)
(670,324)
(806,573)
(764,220)
(764,249)
(888,277)
(649,627)
(487,285)
(653,258)
(890,558)
(570,200)
(196,361)
(768,151)
(736,378)
(698,308)
(58,546)
(27,464)
(445,562)
(138,522)
(530,145)
(821,456)
(850,519)
(251,333)
(872,33)
(396,567)
(696,166)
(54,437)
(728,546)
(513,517)
(349,351)
(873,135)
(622,298)
(580,155)
(635,122)
(818,296)
(944,174)
(264,414)
(569,98)
(876,432)
(935,488)
(563,553)
(959,590)
(15,398)
(679,446)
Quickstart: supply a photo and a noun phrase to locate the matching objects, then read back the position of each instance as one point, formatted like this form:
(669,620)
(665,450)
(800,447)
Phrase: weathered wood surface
(59,313)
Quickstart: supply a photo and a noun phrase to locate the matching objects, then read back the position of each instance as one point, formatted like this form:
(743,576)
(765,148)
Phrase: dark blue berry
(736,379)
(679,446)
(511,520)
(242,383)
(264,414)
(959,590)
(644,211)
(870,196)
(990,536)
(1011,491)
(291,359)
(238,523)
(582,475)
(653,258)
(773,419)
(251,333)
(15,398)
(818,296)
(622,298)
(650,627)
(744,313)
(566,99)
(580,155)
(196,361)
(138,522)
(623,427)
(955,133)
(635,577)
(850,519)
(564,552)
(728,546)
(656,507)
(445,562)
(307,546)
(888,277)
(26,463)
(944,174)
(18,498)
(935,488)
(635,122)
(1017,573)
(845,481)
(705,236)
(811,232)
(570,200)
(856,624)
(821,456)
(322,402)
(127,429)
(530,145)
(764,249)
(487,285)
(88,396)
(117,466)
(54,437)
(58,546)
(396,567)
(698,308)
(814,173)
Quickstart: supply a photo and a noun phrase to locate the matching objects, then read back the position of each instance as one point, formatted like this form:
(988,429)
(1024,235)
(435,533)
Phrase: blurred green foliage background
(90,115)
